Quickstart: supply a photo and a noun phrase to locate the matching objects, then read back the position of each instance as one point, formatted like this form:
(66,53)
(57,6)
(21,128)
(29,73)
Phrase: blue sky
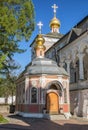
(69,12)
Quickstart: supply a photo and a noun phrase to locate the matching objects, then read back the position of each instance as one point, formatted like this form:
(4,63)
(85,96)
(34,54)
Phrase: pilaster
(81,68)
(26,88)
(68,66)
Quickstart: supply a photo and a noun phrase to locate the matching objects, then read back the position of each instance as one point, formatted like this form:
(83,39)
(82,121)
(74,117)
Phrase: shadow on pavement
(21,123)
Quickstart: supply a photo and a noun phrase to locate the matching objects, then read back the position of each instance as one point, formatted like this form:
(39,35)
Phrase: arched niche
(85,65)
(74,71)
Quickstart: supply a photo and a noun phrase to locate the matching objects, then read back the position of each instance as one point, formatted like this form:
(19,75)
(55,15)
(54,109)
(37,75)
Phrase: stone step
(55,117)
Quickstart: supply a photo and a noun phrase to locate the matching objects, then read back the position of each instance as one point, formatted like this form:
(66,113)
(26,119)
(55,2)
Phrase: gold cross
(54,7)
(40,26)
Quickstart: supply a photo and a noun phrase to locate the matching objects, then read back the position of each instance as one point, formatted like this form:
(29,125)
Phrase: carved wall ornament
(34,83)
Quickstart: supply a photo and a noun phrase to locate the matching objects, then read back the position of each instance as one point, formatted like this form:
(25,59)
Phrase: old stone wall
(4,108)
(79,102)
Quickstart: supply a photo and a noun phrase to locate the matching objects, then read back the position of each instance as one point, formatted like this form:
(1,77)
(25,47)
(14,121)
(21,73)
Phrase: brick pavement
(20,123)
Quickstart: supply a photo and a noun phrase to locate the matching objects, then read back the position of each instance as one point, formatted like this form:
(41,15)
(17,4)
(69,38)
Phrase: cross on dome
(40,26)
(54,7)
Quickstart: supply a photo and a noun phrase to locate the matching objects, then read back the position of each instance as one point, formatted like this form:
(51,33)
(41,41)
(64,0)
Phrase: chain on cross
(40,27)
(54,7)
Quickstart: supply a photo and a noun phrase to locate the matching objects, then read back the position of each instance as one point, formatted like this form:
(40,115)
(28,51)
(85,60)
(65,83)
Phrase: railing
(79,85)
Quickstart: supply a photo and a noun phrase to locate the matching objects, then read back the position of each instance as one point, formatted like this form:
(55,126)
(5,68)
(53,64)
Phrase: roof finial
(40,27)
(54,7)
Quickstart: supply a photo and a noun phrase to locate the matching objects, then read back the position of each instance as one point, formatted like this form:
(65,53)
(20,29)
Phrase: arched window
(34,95)
(74,72)
(85,65)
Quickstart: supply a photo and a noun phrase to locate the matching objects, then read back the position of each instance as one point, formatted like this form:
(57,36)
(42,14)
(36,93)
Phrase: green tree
(2,58)
(16,24)
(8,87)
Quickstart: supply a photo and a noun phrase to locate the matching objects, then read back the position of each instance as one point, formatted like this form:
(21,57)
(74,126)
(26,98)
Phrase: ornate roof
(55,22)
(45,66)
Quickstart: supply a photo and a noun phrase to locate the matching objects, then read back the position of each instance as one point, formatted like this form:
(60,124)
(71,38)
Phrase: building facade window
(34,95)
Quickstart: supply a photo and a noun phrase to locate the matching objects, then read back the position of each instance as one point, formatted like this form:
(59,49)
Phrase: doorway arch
(55,83)
(54,91)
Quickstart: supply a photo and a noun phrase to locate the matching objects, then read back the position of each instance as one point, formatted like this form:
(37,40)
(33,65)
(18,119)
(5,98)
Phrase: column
(81,68)
(68,66)
(26,89)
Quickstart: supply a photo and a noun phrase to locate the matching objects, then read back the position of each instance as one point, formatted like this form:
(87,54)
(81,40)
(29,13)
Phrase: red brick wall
(65,108)
(33,108)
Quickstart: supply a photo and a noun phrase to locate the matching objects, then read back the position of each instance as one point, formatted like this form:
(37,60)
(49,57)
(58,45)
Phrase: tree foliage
(16,19)
(16,23)
(8,86)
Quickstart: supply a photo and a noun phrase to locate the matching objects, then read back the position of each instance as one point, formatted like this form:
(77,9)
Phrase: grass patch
(3,120)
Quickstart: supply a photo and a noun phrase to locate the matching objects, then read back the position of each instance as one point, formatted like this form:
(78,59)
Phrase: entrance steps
(55,117)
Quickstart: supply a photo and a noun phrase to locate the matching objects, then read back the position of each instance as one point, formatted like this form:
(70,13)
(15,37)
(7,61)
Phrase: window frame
(31,95)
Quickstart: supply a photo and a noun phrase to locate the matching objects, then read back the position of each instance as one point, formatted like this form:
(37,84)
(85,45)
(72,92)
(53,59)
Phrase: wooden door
(52,103)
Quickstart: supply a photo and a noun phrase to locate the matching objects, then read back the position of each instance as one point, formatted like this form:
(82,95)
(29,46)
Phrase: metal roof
(45,66)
